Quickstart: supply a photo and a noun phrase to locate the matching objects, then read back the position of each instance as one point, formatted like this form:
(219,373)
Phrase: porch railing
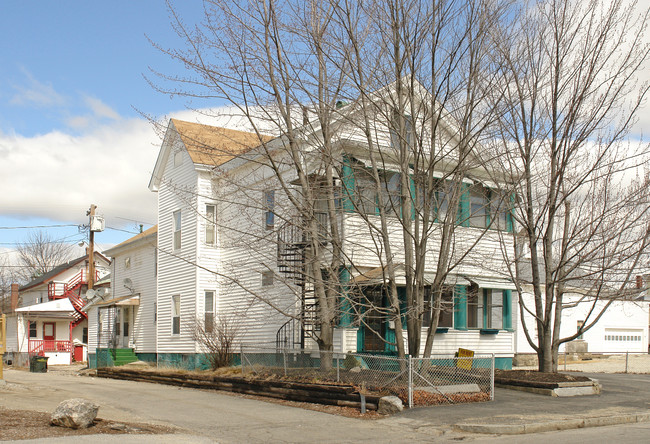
(56,290)
(40,346)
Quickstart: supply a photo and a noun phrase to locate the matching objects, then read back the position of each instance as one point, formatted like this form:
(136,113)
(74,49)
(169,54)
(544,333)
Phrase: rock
(389,405)
(76,413)
(355,370)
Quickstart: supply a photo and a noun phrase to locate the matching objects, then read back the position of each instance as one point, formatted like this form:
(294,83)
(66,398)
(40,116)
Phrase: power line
(39,226)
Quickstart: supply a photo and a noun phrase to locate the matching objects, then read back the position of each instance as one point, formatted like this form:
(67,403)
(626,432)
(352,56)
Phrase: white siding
(141,271)
(622,318)
(177,273)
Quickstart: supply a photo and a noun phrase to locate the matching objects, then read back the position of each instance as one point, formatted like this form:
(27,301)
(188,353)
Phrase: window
(210,224)
(178,158)
(176,314)
(478,206)
(267,278)
(365,196)
(499,204)
(155,312)
(390,191)
(407,130)
(446,318)
(493,308)
(177,229)
(209,311)
(127,263)
(579,326)
(474,307)
(32,330)
(269,205)
(84,335)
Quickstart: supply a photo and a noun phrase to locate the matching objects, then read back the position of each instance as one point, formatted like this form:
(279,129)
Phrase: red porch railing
(56,290)
(41,346)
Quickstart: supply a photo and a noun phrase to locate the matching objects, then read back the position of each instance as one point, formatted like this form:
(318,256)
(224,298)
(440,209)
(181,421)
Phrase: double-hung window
(208,321)
(176,314)
(478,206)
(176,219)
(446,318)
(499,204)
(32,330)
(210,224)
(269,206)
(493,308)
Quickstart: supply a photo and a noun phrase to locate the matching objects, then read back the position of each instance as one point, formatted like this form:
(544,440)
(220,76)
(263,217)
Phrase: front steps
(123,356)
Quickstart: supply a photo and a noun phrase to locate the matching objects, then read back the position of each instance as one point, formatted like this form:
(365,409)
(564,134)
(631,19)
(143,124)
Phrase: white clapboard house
(47,317)
(225,243)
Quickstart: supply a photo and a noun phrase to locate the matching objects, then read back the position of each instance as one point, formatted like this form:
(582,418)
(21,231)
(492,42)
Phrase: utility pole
(91,247)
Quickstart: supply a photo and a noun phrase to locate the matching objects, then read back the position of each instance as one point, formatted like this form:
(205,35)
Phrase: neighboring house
(125,318)
(623,327)
(47,316)
(220,255)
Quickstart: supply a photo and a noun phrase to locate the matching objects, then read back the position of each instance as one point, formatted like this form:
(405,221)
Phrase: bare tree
(40,253)
(570,92)
(216,337)
(415,78)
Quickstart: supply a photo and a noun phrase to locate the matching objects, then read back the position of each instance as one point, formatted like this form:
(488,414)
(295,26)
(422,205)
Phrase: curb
(566,424)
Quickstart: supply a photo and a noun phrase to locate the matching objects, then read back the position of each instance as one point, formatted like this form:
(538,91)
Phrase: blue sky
(71,96)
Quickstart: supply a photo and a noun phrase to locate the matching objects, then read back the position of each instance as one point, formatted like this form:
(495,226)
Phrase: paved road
(204,416)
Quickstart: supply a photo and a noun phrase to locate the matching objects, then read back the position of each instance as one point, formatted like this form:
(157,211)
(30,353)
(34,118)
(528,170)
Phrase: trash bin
(38,364)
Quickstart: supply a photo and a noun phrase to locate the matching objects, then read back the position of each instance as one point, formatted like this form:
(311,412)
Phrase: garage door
(621,339)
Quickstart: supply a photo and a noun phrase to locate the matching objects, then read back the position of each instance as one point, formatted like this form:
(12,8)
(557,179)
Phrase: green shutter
(347,189)
(346,318)
(463,206)
(460,307)
(507,310)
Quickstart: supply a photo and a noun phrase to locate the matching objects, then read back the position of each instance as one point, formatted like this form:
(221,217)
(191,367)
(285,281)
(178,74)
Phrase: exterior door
(374,321)
(49,336)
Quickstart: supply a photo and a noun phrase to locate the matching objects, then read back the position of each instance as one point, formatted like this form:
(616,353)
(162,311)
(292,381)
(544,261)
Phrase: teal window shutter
(347,189)
(463,206)
(510,225)
(460,307)
(507,310)
(346,317)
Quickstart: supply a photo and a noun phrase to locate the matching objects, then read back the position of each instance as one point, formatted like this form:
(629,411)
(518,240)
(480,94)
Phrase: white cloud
(58,175)
(36,93)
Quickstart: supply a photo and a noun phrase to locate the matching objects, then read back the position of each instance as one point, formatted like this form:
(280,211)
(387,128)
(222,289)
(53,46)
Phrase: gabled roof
(46,277)
(205,144)
(133,241)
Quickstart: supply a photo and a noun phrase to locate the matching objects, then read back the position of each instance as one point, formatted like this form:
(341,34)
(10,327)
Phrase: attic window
(178,158)
(127,263)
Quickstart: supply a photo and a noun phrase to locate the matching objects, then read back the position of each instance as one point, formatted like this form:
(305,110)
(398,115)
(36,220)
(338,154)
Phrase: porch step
(123,356)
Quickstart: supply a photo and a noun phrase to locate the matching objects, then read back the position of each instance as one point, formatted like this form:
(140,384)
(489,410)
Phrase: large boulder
(389,405)
(75,413)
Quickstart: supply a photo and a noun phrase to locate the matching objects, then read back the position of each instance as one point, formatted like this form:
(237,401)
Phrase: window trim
(208,326)
(176,315)
(177,230)
(210,224)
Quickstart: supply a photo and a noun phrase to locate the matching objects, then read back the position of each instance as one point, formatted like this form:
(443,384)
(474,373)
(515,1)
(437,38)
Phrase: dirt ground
(24,424)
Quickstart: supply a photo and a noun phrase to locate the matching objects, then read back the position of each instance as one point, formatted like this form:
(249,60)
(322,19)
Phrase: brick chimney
(14,297)
(639,282)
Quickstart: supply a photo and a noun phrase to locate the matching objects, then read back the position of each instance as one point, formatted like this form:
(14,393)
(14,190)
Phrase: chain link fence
(605,362)
(416,381)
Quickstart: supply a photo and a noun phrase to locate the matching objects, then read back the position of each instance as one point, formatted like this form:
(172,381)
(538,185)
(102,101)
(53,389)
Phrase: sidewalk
(625,398)
(204,416)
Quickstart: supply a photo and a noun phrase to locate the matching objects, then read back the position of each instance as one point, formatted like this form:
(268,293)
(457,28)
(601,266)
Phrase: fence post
(626,360)
(410,370)
(338,378)
(241,357)
(492,380)
(565,360)
(284,358)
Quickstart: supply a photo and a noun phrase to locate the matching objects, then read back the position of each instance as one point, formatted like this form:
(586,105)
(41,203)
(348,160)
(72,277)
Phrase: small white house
(125,318)
(47,317)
